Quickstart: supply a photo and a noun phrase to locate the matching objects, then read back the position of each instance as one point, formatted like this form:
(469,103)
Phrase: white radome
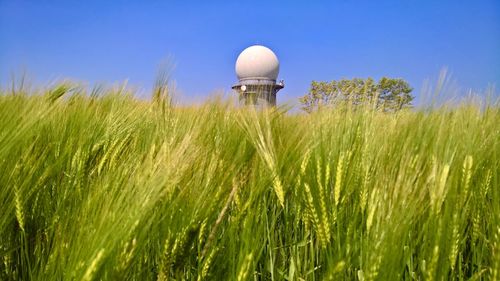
(257,62)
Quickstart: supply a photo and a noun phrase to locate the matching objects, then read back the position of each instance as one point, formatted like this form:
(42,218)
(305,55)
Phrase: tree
(388,94)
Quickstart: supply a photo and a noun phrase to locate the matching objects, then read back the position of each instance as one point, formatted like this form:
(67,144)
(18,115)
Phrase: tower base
(258,92)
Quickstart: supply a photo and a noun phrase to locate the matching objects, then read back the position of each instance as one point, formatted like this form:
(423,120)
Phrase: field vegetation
(101,185)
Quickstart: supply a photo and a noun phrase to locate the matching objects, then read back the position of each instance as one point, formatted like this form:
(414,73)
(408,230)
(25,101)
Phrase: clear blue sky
(109,41)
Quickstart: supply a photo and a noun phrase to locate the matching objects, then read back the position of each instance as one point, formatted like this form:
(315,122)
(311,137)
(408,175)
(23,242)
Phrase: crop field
(101,185)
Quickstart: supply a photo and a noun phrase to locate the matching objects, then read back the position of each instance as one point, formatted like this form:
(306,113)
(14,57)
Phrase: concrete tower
(257,68)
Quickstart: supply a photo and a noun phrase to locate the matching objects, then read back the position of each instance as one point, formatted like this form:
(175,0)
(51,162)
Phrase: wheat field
(101,185)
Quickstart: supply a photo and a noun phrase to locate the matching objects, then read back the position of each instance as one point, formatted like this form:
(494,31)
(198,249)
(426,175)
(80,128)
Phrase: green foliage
(104,186)
(388,94)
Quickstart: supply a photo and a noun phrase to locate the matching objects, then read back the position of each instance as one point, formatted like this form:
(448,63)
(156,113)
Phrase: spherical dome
(257,62)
